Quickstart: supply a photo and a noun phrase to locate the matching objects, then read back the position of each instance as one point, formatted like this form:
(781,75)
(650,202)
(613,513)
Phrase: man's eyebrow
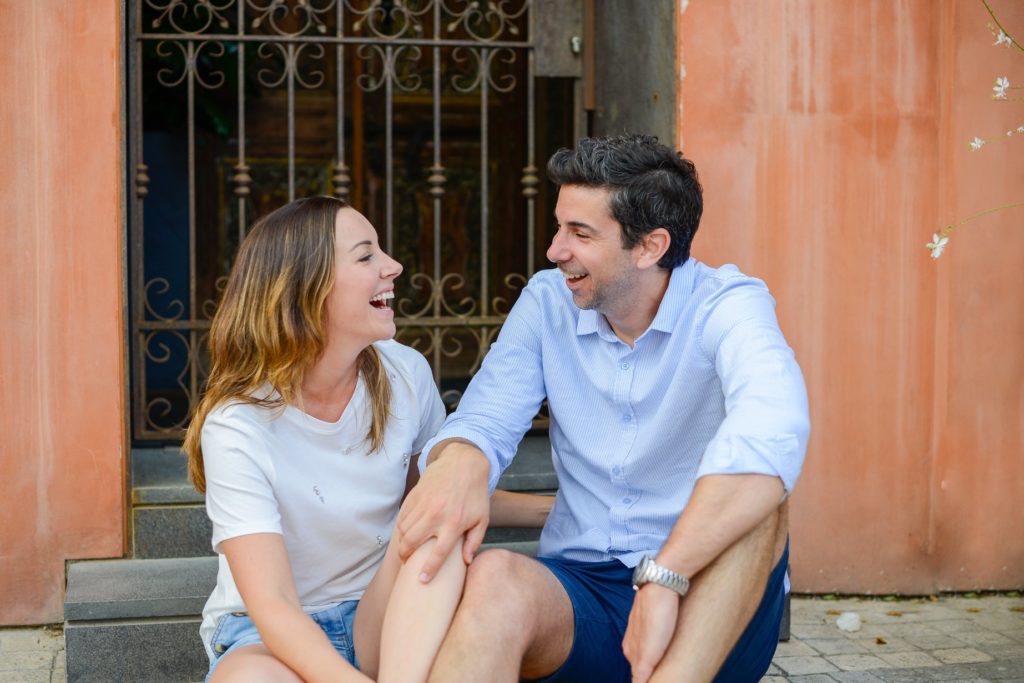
(360,244)
(575,224)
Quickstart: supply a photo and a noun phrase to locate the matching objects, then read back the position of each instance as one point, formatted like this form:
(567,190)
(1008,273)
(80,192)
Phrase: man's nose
(557,251)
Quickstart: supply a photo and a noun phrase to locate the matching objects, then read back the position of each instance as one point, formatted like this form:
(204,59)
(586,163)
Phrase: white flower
(976,144)
(1003,39)
(1002,83)
(937,245)
(1020,129)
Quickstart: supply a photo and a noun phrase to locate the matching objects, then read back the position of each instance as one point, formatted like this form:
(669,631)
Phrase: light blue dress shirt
(710,388)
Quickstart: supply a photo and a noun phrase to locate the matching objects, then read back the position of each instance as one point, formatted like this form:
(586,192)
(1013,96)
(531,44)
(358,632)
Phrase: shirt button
(616,470)
(627,501)
(626,418)
(624,366)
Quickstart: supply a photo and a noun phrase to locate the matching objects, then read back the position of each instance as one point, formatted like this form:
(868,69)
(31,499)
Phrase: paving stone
(773,671)
(913,630)
(774,679)
(909,660)
(904,675)
(950,672)
(961,655)
(872,646)
(836,646)
(857,662)
(939,641)
(982,638)
(856,677)
(28,660)
(868,630)
(805,631)
(25,676)
(16,640)
(1003,651)
(813,678)
(997,622)
(957,626)
(795,648)
(800,666)
(998,670)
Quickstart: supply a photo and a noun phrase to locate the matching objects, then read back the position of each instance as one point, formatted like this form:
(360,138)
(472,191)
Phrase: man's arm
(748,467)
(466,458)
(722,509)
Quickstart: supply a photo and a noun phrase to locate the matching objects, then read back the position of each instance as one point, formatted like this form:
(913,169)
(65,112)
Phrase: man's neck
(650,290)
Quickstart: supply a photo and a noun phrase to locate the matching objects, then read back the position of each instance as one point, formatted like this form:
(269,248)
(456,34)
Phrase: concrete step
(168,518)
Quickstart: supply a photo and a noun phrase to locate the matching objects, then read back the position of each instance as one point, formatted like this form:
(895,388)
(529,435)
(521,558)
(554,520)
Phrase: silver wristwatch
(649,571)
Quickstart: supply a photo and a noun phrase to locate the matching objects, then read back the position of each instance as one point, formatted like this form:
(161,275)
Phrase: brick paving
(956,639)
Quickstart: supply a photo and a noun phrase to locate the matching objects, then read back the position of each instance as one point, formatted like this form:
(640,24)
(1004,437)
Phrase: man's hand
(652,623)
(450,500)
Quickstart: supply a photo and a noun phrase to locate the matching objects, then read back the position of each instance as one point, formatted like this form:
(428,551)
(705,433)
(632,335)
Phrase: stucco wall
(832,141)
(61,344)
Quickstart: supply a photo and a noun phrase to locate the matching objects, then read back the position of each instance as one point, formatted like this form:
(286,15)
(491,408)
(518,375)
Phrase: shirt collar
(680,285)
(671,306)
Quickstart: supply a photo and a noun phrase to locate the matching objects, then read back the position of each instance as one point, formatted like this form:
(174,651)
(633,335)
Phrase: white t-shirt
(316,484)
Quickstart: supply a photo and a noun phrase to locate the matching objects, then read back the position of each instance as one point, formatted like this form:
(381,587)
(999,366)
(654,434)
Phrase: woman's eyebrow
(360,244)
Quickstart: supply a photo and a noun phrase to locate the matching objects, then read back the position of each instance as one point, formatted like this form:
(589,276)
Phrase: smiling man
(678,427)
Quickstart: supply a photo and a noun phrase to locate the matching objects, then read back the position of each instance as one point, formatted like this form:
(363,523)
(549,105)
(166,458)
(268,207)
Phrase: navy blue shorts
(602,596)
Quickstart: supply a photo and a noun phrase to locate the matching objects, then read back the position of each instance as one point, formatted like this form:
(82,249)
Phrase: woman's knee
(253,664)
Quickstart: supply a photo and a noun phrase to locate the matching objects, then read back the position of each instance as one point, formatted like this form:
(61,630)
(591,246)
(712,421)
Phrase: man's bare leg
(716,610)
(514,616)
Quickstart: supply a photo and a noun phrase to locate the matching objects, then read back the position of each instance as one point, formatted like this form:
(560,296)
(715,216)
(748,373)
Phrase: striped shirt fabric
(710,388)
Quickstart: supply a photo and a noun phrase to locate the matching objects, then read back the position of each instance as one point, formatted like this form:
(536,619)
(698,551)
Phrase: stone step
(138,620)
(168,518)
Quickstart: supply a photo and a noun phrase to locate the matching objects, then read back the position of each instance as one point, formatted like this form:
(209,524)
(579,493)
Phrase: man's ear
(652,247)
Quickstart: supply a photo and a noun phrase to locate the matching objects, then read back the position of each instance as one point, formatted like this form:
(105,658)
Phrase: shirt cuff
(776,455)
(475,438)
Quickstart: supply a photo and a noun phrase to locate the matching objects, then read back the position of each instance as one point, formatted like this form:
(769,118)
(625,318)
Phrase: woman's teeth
(382,300)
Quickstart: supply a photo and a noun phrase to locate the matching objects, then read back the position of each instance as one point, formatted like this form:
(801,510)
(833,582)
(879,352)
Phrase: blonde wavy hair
(271,325)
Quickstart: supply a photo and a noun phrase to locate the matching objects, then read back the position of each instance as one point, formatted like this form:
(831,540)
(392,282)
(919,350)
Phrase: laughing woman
(305,444)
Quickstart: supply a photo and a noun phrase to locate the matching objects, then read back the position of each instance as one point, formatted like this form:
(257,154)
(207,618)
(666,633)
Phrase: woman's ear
(653,246)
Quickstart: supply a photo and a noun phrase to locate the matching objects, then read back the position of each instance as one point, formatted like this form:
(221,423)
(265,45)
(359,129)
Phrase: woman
(305,444)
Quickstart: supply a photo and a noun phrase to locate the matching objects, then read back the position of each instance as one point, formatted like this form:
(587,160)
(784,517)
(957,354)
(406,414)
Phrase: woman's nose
(392,269)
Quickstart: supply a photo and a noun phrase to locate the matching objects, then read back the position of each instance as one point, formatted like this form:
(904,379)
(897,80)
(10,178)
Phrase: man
(678,427)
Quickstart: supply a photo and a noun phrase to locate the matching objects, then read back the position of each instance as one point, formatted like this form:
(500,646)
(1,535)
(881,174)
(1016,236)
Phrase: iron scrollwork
(276,42)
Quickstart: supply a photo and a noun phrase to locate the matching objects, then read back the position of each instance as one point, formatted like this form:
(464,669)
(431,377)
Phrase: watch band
(649,571)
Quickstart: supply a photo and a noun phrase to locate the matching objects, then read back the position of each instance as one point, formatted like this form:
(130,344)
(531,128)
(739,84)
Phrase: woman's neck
(328,385)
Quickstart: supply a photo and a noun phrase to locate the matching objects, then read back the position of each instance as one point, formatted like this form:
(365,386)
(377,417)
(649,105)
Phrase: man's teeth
(573,276)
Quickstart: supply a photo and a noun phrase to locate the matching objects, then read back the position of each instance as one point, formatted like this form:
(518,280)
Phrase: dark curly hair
(652,186)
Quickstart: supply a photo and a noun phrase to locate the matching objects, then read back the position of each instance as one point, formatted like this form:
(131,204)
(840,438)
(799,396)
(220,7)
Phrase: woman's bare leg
(418,616)
(401,622)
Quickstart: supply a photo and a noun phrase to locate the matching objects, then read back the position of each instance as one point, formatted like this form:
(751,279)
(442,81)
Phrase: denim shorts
(602,597)
(237,630)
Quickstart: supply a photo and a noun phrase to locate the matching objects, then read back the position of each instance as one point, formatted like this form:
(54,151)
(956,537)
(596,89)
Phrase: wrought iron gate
(420,113)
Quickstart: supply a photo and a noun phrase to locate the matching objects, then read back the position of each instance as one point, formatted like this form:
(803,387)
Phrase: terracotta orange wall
(61,397)
(832,142)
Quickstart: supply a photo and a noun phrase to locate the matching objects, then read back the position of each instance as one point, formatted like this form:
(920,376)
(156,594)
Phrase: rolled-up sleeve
(767,424)
(505,394)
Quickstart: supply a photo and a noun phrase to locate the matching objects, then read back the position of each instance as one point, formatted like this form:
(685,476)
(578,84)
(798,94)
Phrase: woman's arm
(519,509)
(259,565)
